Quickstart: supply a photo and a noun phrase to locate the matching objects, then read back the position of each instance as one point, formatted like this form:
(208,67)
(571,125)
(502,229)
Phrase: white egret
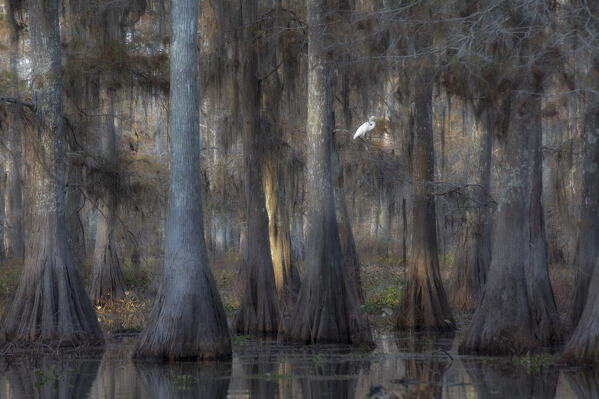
(365,128)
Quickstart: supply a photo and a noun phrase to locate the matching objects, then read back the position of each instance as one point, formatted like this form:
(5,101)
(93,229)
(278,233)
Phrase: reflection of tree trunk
(50,304)
(512,382)
(330,380)
(473,253)
(424,375)
(258,371)
(424,304)
(185,380)
(52,378)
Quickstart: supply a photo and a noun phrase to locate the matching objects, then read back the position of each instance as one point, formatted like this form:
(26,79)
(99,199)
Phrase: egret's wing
(361,130)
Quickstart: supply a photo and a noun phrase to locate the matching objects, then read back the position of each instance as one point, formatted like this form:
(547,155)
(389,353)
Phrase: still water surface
(407,366)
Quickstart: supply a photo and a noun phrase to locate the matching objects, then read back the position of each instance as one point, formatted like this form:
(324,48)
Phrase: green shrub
(385,297)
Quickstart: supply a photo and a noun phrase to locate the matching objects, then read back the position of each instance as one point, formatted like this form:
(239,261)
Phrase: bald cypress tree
(50,304)
(187,320)
(327,309)
(424,304)
(259,312)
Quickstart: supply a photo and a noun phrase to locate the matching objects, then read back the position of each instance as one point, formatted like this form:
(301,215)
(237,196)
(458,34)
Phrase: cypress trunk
(287,279)
(13,233)
(517,312)
(473,253)
(187,320)
(424,304)
(50,305)
(107,279)
(545,318)
(583,345)
(588,237)
(258,312)
(327,309)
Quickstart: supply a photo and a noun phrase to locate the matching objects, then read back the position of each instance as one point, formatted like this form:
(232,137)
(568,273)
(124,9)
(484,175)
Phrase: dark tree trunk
(348,244)
(328,307)
(107,280)
(588,237)
(424,304)
(473,253)
(187,320)
(545,318)
(50,304)
(258,312)
(509,320)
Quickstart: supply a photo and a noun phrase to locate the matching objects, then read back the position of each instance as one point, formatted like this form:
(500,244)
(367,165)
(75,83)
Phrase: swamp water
(404,366)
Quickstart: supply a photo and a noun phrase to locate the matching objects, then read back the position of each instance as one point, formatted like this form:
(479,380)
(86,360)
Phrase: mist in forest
(216,181)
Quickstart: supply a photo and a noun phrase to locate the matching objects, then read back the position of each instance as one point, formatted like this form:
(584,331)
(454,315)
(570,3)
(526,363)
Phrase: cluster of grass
(128,313)
(382,284)
(383,299)
(184,382)
(533,362)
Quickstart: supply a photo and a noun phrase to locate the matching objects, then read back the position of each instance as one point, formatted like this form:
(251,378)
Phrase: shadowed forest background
(472,205)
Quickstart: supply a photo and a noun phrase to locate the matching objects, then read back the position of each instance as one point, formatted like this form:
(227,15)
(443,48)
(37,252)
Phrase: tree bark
(258,312)
(13,233)
(473,254)
(327,309)
(287,278)
(187,320)
(588,237)
(50,305)
(424,304)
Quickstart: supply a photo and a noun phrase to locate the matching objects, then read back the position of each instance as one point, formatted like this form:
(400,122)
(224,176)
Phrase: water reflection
(327,377)
(509,380)
(184,380)
(49,378)
(407,366)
